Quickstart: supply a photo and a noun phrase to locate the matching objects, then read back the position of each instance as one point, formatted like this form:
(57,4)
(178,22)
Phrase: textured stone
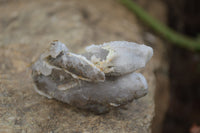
(73,79)
(27,27)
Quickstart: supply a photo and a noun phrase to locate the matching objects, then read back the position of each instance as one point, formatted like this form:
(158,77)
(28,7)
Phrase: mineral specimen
(98,80)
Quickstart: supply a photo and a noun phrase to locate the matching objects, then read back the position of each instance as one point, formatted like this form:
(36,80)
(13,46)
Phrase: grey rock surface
(27,27)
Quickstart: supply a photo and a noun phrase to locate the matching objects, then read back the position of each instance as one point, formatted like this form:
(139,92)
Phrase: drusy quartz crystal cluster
(98,80)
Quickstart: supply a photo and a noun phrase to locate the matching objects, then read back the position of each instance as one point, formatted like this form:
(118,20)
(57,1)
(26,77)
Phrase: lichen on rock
(98,80)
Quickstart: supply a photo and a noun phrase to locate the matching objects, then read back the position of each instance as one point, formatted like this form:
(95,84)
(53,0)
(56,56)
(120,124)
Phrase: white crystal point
(98,97)
(78,66)
(117,90)
(58,57)
(119,57)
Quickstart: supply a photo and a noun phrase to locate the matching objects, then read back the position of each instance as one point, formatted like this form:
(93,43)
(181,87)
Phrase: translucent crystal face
(98,80)
(122,57)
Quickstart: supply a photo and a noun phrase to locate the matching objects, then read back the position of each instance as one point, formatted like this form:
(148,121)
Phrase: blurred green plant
(169,34)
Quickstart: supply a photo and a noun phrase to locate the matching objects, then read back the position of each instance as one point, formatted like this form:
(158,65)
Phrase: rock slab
(27,27)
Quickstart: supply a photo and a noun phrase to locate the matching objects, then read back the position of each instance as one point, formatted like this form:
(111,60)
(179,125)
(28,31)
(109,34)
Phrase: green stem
(166,32)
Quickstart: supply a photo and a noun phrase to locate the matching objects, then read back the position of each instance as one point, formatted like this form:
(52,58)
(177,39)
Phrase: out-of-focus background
(183,113)
(173,74)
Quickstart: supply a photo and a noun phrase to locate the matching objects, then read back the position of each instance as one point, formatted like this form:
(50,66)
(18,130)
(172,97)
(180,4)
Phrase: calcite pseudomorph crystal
(98,80)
